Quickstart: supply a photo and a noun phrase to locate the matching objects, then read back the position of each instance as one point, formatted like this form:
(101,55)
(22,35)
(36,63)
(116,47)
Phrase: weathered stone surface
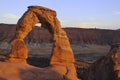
(62,59)
(19,71)
(107,67)
(19,51)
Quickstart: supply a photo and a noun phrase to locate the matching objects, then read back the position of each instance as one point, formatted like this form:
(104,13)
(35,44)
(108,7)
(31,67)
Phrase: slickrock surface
(62,58)
(20,71)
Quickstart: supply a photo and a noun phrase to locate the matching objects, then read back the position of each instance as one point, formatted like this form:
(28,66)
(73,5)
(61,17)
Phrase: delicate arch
(62,54)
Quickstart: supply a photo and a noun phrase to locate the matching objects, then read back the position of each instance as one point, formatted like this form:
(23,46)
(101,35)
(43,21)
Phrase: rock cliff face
(62,58)
(107,67)
(76,35)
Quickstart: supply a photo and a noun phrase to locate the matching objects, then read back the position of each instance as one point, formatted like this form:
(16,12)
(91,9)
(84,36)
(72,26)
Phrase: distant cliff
(76,35)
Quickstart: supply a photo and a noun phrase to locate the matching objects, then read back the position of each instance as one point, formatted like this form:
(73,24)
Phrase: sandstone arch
(62,59)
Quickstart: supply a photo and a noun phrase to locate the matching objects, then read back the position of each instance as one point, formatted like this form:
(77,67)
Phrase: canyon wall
(75,35)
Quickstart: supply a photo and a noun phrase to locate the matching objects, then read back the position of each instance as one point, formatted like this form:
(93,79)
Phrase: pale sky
(104,14)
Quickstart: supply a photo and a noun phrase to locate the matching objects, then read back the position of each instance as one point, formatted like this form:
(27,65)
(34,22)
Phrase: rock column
(19,51)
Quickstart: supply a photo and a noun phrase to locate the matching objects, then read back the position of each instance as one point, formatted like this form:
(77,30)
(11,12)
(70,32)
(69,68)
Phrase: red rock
(62,59)
(19,52)
(20,71)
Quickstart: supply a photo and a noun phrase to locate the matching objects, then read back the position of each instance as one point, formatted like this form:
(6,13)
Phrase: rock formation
(107,67)
(62,59)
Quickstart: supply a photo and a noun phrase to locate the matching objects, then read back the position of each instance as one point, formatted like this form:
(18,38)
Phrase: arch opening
(38,25)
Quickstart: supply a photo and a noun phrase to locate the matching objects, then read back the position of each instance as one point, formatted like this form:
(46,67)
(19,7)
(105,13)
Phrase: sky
(103,14)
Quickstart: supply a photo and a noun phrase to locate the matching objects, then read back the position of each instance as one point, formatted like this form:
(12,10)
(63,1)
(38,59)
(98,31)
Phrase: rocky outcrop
(107,67)
(62,59)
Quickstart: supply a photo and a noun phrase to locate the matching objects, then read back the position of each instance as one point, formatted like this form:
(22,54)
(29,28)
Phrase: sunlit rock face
(107,67)
(62,59)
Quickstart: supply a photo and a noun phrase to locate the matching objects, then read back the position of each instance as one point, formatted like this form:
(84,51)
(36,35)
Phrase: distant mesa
(75,35)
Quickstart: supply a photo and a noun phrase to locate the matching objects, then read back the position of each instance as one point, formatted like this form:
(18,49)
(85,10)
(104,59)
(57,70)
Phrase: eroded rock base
(19,52)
